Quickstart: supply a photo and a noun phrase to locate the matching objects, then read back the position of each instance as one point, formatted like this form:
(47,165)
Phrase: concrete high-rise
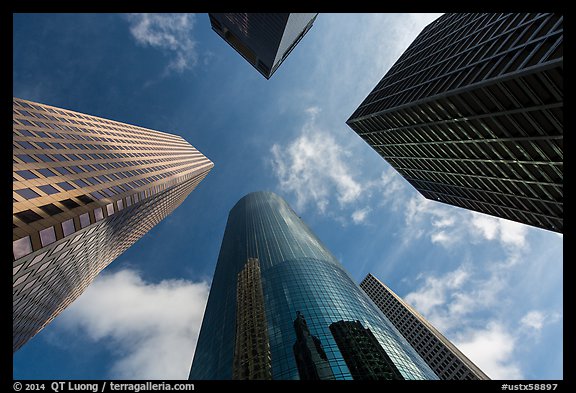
(263,39)
(276,292)
(471,115)
(84,190)
(441,355)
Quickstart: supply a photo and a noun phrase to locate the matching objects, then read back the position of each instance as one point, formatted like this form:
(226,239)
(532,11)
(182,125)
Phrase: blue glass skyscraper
(276,292)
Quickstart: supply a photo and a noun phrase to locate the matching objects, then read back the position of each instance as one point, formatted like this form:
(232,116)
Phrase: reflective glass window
(84,220)
(65,185)
(21,247)
(28,193)
(47,236)
(46,172)
(48,189)
(98,214)
(68,227)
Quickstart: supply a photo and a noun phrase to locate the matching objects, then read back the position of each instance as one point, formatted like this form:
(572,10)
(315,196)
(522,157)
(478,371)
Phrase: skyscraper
(84,190)
(263,39)
(441,355)
(304,290)
(471,115)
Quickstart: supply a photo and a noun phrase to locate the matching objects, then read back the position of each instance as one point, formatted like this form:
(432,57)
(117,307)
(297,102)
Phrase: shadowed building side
(471,115)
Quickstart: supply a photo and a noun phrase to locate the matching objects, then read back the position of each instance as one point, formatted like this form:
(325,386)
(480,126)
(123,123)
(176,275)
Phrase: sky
(492,286)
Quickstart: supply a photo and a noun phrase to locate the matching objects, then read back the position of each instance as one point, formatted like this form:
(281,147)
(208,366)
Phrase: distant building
(440,354)
(84,190)
(471,115)
(310,356)
(252,349)
(285,326)
(364,355)
(263,39)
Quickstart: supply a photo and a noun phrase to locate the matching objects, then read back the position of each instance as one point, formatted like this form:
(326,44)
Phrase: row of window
(62,272)
(23,246)
(139,132)
(107,143)
(474,42)
(28,193)
(448,75)
(104,154)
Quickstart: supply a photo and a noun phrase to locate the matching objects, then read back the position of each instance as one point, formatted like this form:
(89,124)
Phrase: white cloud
(435,290)
(391,189)
(315,167)
(151,328)
(450,226)
(534,321)
(171,33)
(509,233)
(322,171)
(492,350)
(359,216)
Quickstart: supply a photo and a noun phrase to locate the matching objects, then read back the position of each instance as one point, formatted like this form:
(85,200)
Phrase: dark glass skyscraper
(303,290)
(471,115)
(263,39)
(441,355)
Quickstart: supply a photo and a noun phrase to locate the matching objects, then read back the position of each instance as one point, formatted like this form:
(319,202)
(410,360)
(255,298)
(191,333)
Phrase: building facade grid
(84,190)
(472,115)
(263,39)
(299,277)
(447,361)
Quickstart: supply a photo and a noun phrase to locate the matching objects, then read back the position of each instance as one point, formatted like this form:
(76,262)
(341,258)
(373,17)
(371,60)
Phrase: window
(46,172)
(44,157)
(26,145)
(63,170)
(26,174)
(110,209)
(60,158)
(84,220)
(97,195)
(25,158)
(85,199)
(68,227)
(120,204)
(47,236)
(98,214)
(27,193)
(21,247)
(48,189)
(28,216)
(51,209)
(69,203)
(65,186)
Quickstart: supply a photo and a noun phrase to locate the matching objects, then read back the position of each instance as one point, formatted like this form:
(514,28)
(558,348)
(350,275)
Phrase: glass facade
(472,115)
(263,39)
(305,290)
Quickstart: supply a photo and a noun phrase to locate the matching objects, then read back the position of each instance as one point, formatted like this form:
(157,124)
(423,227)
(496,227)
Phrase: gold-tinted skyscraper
(84,190)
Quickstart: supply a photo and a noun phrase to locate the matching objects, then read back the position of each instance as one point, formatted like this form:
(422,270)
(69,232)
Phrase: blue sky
(494,287)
